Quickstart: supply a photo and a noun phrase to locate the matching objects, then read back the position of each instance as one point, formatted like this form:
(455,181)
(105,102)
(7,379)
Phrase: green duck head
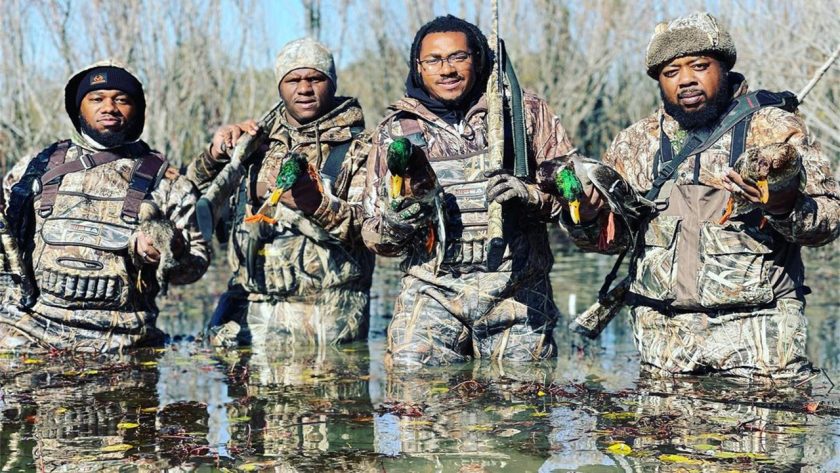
(290,171)
(571,189)
(399,154)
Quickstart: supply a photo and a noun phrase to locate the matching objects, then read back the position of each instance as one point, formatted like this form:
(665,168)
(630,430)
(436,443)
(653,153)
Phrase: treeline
(206,62)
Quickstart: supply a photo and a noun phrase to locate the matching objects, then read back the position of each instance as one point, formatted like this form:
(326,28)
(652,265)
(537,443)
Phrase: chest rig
(685,260)
(461,176)
(80,242)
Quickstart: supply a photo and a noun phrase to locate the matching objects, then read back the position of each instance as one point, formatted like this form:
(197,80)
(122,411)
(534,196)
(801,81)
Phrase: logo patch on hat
(99,78)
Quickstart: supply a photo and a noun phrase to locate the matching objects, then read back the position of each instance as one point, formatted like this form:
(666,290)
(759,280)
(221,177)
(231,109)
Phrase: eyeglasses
(436,63)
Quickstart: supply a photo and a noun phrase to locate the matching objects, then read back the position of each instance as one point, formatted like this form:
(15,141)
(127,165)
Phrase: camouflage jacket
(289,263)
(689,260)
(458,157)
(83,255)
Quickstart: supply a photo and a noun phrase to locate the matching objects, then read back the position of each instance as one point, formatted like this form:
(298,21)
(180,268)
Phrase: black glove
(403,217)
(504,187)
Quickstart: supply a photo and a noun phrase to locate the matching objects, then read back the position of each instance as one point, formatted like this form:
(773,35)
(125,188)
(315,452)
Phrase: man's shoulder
(645,129)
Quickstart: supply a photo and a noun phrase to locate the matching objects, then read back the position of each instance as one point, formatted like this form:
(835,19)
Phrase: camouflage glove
(505,187)
(306,195)
(403,217)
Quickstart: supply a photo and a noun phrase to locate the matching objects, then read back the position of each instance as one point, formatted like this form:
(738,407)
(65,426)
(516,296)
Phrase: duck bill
(396,186)
(574,211)
(763,190)
(275,196)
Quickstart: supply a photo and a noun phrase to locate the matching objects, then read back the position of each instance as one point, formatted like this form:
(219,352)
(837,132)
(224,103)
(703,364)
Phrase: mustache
(689,92)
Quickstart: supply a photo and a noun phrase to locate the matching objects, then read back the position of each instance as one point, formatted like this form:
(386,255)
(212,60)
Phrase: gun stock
(593,320)
(227,181)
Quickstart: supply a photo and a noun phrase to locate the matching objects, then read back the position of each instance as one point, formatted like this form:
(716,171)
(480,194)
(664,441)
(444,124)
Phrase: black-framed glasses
(455,59)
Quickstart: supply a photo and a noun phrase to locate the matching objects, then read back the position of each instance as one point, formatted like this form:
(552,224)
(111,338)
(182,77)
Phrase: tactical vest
(686,260)
(464,196)
(85,212)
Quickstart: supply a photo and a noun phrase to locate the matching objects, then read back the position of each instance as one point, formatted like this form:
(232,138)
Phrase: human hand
(778,202)
(226,137)
(505,187)
(306,194)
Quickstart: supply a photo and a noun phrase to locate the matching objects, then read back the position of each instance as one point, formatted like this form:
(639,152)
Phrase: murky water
(186,407)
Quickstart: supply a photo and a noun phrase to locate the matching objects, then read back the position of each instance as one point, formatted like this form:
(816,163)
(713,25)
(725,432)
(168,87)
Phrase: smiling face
(307,93)
(451,81)
(107,111)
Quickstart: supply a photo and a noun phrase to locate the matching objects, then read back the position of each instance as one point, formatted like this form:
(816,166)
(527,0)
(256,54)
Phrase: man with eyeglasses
(454,306)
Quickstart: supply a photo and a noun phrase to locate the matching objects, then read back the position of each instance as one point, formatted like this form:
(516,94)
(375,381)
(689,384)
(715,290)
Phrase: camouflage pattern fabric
(95,294)
(304,290)
(304,53)
(453,319)
(729,272)
(502,313)
(764,343)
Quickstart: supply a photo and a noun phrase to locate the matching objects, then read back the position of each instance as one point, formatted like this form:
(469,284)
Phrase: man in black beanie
(97,225)
(463,307)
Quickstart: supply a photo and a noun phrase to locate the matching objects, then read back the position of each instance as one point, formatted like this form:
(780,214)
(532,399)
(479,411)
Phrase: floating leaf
(249,467)
(149,410)
(620,448)
(508,432)
(737,455)
(417,422)
(128,425)
(439,390)
(149,363)
(480,428)
(61,410)
(240,419)
(89,373)
(795,430)
(679,459)
(117,447)
(620,415)
(539,414)
(540,393)
(708,435)
(32,361)
(71,373)
(704,447)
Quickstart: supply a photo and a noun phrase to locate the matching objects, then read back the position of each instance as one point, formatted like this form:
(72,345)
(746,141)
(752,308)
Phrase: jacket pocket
(656,267)
(733,266)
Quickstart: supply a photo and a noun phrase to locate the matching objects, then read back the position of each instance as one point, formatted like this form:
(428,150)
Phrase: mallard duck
(413,176)
(292,168)
(568,179)
(770,168)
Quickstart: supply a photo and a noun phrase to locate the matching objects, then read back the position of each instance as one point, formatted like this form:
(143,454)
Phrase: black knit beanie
(102,78)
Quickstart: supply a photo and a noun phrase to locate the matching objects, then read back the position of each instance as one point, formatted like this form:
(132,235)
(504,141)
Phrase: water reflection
(189,407)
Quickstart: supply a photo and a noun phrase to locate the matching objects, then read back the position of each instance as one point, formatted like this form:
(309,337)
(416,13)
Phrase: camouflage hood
(332,127)
(416,107)
(73,85)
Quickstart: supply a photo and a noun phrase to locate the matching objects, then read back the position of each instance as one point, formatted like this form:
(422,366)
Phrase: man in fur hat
(713,294)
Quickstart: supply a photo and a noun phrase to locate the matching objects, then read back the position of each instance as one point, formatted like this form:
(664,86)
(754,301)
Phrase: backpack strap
(146,173)
(697,142)
(24,190)
(332,166)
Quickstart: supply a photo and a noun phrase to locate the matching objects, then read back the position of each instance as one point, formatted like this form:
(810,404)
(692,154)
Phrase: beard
(111,139)
(706,115)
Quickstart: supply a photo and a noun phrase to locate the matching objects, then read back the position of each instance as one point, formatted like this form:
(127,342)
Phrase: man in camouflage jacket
(710,296)
(310,288)
(98,224)
(462,308)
